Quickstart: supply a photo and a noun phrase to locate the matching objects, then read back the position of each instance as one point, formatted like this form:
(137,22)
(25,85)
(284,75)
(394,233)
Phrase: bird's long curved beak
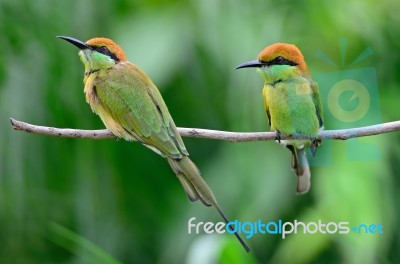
(251,64)
(81,45)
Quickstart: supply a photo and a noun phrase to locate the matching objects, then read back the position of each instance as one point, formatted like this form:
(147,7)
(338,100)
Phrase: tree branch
(342,134)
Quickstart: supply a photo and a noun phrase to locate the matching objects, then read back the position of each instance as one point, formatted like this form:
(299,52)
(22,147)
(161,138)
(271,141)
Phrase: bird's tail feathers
(302,169)
(196,188)
(192,182)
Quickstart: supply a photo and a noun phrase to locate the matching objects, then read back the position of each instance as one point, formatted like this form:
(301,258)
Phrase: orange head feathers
(107,47)
(282,53)
(102,45)
(278,54)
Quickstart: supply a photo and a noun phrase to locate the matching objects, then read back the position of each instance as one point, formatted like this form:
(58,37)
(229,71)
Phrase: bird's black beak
(81,45)
(251,64)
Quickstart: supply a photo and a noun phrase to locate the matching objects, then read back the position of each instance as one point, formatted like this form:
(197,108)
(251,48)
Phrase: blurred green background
(108,201)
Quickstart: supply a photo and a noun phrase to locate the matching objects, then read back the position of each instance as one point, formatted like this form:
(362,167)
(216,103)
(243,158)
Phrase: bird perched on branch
(130,105)
(291,102)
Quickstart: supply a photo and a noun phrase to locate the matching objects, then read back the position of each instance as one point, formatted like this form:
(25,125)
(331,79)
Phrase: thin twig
(342,134)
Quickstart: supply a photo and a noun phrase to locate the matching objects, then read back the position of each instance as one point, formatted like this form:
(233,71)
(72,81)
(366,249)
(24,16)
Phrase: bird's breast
(97,106)
(291,107)
(90,89)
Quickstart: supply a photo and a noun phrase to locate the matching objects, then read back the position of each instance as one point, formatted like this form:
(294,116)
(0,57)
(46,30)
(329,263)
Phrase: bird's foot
(315,143)
(278,136)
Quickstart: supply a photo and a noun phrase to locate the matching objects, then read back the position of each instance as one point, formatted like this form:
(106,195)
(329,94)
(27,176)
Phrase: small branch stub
(342,134)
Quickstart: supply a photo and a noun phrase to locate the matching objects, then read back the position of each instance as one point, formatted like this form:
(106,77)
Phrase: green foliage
(79,245)
(121,200)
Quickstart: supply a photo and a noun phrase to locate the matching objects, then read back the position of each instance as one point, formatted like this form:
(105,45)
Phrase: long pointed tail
(196,188)
(301,168)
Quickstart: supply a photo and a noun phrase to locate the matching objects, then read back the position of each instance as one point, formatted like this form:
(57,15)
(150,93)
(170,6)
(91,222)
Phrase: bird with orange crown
(131,107)
(292,103)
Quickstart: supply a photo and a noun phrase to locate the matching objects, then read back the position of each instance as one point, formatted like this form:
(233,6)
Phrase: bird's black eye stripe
(104,50)
(282,61)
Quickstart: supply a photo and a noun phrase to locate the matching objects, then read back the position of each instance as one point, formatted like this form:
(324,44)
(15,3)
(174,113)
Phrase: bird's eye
(279,59)
(103,49)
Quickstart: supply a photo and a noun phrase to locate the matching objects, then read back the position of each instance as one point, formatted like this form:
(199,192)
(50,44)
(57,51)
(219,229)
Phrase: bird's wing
(135,103)
(266,107)
(169,122)
(317,102)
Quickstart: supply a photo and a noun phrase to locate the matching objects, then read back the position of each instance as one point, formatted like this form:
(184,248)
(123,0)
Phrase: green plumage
(292,103)
(130,106)
(293,106)
(135,103)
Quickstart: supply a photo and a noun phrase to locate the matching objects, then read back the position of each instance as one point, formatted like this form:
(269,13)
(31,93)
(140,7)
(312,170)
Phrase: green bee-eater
(130,105)
(291,102)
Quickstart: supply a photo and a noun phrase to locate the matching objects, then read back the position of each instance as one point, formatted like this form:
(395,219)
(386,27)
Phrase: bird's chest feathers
(90,90)
(291,107)
(287,94)
(93,99)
